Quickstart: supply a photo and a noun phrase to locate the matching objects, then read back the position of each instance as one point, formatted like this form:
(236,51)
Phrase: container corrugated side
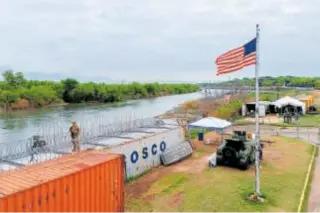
(88,181)
(144,154)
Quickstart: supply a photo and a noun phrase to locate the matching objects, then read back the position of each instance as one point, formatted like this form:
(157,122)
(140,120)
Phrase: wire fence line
(220,93)
(53,138)
(311,134)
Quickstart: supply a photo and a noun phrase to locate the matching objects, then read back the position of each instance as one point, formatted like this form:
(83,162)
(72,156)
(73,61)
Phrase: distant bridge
(252,88)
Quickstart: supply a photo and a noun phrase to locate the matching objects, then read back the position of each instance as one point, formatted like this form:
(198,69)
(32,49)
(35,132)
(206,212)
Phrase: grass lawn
(309,120)
(226,189)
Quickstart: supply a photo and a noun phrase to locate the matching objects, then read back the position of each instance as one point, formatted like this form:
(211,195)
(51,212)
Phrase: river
(22,125)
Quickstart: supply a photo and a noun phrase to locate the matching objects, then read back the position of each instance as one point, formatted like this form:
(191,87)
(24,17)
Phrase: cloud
(160,39)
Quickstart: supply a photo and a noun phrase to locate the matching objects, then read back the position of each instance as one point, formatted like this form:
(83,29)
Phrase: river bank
(19,93)
(23,105)
(44,121)
(4,111)
(225,106)
(22,125)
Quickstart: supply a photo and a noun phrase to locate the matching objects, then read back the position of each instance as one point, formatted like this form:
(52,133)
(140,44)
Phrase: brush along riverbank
(229,107)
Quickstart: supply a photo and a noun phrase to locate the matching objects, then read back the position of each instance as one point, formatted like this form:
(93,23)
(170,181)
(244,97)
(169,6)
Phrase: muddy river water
(21,125)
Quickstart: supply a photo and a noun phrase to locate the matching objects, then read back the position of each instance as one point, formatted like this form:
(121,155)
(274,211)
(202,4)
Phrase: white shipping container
(143,154)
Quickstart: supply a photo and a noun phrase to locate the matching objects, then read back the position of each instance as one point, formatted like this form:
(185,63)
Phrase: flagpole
(257,170)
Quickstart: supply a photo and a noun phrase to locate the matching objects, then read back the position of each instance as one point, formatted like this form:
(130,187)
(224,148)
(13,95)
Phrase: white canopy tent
(211,123)
(285,101)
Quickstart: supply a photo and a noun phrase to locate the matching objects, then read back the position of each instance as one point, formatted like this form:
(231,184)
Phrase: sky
(155,40)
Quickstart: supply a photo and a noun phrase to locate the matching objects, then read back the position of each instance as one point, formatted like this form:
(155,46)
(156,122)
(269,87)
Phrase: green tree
(83,92)
(14,79)
(152,89)
(113,94)
(68,85)
(137,90)
(9,78)
(41,95)
(8,97)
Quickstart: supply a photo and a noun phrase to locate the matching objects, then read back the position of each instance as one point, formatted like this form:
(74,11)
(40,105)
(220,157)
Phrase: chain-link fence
(311,135)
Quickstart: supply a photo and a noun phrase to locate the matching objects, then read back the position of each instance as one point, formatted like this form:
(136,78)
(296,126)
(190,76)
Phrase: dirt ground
(197,163)
(144,192)
(194,164)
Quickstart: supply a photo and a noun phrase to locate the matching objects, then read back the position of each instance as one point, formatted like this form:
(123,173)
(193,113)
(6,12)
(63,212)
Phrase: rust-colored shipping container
(91,181)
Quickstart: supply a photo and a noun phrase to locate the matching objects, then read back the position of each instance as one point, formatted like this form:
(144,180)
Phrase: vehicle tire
(219,162)
(245,165)
(230,155)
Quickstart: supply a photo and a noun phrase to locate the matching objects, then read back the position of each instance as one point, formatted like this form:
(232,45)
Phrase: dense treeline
(289,81)
(16,92)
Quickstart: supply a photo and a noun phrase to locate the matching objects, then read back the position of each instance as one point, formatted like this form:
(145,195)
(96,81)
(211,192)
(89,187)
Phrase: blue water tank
(200,136)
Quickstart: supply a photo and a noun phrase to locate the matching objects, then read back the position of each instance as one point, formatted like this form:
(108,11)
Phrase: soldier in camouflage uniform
(75,136)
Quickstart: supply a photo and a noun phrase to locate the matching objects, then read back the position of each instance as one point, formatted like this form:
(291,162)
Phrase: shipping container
(144,153)
(308,100)
(90,181)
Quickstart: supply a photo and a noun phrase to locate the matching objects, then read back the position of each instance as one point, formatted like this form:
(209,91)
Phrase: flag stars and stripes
(237,59)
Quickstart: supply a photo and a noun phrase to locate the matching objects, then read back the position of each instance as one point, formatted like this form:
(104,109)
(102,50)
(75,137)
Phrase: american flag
(238,58)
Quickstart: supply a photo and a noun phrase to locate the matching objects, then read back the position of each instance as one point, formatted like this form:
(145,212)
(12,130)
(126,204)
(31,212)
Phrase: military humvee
(237,151)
